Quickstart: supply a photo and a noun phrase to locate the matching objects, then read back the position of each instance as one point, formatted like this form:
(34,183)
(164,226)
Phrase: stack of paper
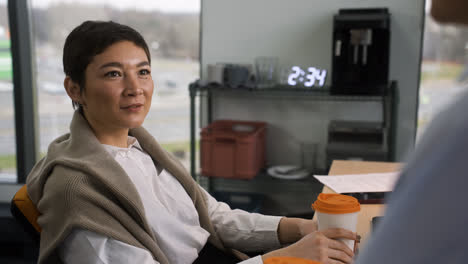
(360,183)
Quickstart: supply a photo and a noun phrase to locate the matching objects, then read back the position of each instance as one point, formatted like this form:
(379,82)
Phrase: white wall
(299,32)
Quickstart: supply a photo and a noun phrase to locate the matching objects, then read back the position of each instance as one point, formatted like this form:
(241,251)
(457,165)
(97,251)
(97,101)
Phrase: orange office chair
(26,213)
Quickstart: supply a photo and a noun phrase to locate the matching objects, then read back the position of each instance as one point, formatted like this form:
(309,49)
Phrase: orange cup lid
(332,203)
(288,260)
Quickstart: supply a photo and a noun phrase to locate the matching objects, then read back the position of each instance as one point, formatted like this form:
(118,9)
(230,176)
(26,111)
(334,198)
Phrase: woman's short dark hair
(90,39)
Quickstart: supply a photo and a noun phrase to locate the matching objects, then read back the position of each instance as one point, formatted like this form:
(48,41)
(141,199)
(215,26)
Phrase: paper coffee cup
(337,211)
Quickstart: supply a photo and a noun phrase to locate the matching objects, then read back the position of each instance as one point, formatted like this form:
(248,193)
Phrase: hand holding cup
(337,211)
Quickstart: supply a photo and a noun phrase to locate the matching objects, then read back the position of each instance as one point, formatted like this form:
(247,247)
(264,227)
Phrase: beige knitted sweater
(78,184)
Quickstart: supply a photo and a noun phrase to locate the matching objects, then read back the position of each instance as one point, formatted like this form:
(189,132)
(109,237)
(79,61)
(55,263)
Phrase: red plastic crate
(233,149)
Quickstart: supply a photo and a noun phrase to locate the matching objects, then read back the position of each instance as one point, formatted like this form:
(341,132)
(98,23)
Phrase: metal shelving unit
(263,183)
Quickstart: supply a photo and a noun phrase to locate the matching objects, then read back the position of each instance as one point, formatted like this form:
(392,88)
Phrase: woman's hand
(291,230)
(306,227)
(320,246)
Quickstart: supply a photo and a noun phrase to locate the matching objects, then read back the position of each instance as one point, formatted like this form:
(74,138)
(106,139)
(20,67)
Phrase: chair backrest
(26,213)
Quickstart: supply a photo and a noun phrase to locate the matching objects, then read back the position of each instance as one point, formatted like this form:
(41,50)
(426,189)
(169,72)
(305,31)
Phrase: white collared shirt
(173,219)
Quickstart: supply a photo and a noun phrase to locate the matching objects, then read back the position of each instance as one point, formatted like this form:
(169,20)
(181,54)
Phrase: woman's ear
(73,90)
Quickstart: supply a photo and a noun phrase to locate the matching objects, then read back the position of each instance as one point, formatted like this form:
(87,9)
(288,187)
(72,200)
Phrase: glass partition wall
(444,70)
(171,29)
(8,172)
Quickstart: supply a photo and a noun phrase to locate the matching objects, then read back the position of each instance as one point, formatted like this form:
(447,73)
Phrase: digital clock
(308,79)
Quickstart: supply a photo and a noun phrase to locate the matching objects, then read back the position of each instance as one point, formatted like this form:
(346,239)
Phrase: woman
(108,192)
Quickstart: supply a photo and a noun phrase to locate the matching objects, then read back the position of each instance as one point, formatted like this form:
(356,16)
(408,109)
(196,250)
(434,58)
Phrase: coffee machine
(361,49)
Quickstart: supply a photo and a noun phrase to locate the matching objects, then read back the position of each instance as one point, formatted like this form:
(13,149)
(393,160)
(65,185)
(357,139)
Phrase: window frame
(24,92)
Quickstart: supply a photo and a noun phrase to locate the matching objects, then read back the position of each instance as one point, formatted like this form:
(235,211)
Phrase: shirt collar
(132,142)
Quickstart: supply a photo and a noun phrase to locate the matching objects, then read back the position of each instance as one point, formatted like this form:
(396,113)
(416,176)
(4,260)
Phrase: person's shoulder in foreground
(425,218)
(425,215)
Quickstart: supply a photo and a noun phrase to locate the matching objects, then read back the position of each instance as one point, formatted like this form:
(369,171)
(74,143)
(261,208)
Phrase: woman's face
(118,87)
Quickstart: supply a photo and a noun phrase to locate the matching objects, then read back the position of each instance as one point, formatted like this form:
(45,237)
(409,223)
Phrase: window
(7,117)
(444,72)
(171,29)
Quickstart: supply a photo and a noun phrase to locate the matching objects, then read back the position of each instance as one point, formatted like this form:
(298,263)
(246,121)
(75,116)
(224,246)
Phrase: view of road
(436,93)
